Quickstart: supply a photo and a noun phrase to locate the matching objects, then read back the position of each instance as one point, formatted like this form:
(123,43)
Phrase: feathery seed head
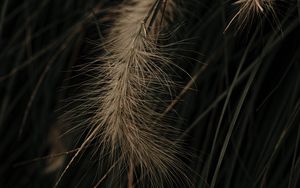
(248,9)
(129,93)
(254,6)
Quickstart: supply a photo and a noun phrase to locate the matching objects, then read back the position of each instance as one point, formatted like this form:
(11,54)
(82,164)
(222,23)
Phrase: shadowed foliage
(230,75)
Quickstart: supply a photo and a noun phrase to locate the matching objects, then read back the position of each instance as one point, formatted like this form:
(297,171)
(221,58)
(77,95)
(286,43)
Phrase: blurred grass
(240,119)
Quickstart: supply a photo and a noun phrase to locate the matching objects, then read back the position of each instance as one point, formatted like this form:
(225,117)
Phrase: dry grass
(130,94)
(248,9)
(126,100)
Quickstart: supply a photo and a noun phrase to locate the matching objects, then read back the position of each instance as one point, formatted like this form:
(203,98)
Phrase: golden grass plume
(129,94)
(248,9)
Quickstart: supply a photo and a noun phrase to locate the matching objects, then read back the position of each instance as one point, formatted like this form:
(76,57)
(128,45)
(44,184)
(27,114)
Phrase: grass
(233,112)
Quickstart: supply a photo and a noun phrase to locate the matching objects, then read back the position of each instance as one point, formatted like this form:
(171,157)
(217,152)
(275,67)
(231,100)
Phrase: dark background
(240,116)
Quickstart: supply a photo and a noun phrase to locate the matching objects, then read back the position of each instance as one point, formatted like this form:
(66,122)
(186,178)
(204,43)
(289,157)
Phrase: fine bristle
(248,9)
(130,93)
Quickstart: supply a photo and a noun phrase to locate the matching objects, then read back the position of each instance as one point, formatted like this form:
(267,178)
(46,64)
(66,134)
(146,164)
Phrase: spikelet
(129,92)
(248,9)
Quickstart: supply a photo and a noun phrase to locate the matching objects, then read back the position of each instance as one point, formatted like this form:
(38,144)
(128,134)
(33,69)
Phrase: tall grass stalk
(129,94)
